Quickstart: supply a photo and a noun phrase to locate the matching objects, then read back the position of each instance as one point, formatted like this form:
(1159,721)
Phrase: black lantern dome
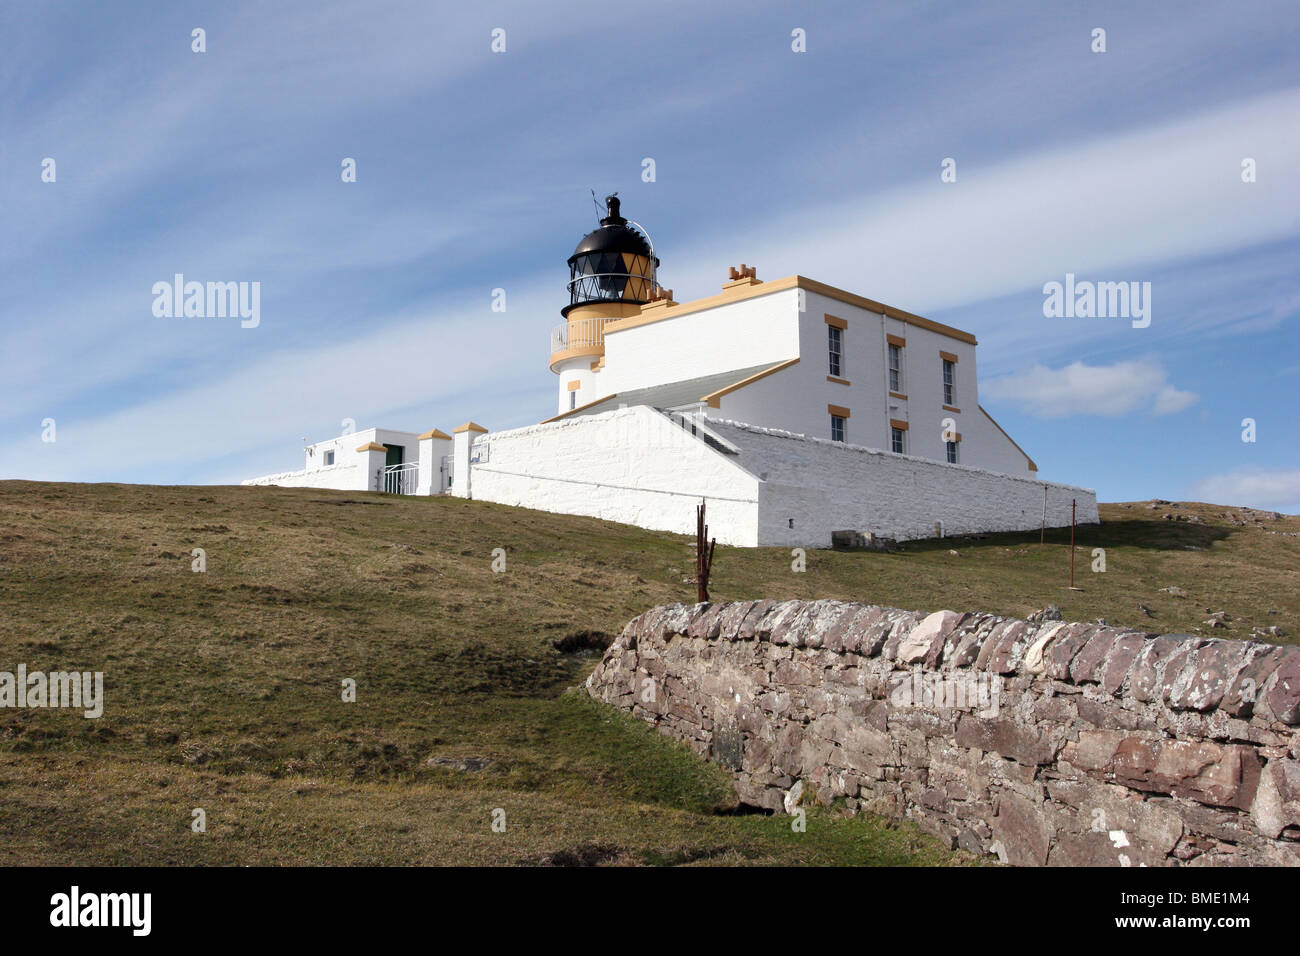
(615,263)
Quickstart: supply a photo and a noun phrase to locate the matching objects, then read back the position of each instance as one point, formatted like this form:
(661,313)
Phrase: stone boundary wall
(1045,743)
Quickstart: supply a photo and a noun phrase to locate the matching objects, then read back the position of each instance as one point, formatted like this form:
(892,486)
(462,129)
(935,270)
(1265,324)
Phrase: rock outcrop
(1043,743)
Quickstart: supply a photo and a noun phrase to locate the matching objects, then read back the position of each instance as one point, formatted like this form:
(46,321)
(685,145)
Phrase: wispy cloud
(1107,208)
(410,367)
(225,166)
(1079,389)
(1252,488)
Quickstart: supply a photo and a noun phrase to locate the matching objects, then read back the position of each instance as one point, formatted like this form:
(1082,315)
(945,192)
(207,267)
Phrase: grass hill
(224,688)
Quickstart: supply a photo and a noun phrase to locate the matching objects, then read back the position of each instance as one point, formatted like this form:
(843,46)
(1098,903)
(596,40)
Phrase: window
(329,458)
(898,441)
(835,339)
(952,452)
(573,400)
(949,379)
(895,368)
(837,428)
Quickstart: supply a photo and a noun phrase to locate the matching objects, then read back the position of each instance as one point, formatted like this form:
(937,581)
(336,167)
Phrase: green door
(396,454)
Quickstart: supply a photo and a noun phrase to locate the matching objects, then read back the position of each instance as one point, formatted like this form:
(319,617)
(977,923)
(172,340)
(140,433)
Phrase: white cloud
(1252,488)
(1107,208)
(468,365)
(1079,389)
(1103,205)
(1170,400)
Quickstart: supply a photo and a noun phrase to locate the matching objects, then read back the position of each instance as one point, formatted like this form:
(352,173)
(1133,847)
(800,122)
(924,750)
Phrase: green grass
(223,688)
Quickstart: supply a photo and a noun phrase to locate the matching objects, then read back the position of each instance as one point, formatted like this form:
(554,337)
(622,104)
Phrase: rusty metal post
(703,555)
(1072,503)
(701,586)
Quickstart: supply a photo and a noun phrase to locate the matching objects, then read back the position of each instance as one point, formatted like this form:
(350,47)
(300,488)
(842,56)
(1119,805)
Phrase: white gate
(401,479)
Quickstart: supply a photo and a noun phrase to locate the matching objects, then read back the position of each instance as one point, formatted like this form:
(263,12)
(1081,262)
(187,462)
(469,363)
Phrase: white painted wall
(827,486)
(462,442)
(352,470)
(775,400)
(796,399)
(863,367)
(772,329)
(985,446)
(341,477)
(736,335)
(591,381)
(629,465)
(982,444)
(634,466)
(432,452)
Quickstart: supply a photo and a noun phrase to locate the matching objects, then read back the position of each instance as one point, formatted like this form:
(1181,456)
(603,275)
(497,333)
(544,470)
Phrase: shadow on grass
(1132,533)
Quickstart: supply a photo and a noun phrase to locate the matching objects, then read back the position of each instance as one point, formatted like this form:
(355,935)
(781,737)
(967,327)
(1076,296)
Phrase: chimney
(744,276)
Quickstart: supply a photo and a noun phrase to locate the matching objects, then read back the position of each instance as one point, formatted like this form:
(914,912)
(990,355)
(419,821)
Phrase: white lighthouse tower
(612,274)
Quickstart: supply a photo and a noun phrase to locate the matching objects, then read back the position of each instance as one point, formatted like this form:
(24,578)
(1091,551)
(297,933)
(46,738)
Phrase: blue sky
(474,172)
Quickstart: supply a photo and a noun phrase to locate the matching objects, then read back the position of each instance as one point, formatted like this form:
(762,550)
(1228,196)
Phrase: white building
(375,459)
(794,409)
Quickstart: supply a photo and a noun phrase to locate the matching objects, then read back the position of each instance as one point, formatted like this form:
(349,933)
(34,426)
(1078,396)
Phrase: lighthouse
(612,274)
(797,410)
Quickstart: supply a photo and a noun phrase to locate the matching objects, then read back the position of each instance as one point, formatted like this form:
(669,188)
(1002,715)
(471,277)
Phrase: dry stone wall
(1044,743)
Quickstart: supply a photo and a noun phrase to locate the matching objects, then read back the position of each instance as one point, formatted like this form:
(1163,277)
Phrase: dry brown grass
(223,688)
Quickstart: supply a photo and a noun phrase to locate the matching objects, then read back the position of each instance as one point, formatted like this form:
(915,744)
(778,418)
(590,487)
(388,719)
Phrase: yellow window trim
(838,323)
(575,385)
(898,423)
(838,410)
(896,340)
(838,381)
(898,395)
(949,408)
(948,356)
